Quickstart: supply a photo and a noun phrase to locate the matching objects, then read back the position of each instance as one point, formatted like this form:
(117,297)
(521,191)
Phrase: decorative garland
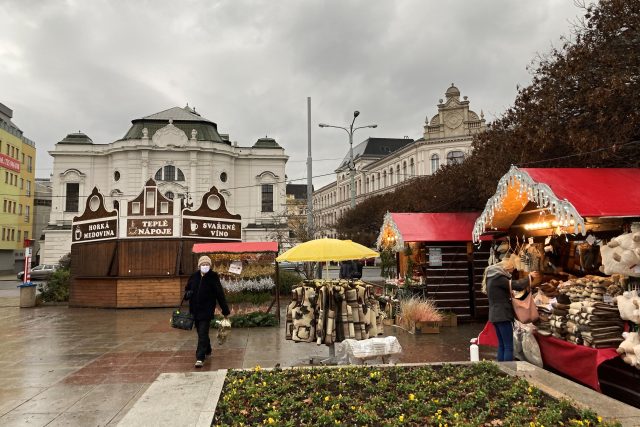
(539,193)
(389,227)
(239,285)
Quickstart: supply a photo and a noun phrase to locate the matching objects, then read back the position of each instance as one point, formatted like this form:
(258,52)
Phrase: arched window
(455,157)
(384,178)
(379,182)
(412,168)
(404,171)
(398,174)
(169,173)
(373,182)
(435,163)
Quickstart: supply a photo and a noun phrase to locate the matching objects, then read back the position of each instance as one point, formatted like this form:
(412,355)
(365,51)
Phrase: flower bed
(447,395)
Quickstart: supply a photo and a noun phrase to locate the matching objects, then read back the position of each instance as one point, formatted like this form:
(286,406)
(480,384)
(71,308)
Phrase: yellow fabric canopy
(327,250)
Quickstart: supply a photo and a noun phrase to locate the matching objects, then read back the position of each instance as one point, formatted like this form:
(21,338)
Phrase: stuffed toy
(622,255)
(629,349)
(628,305)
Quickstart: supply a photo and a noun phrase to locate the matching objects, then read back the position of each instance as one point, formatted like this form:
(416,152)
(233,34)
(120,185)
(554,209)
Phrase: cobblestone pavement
(86,367)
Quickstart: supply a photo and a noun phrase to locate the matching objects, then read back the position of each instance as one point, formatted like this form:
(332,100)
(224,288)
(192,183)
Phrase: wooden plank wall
(149,292)
(449,284)
(148,257)
(92,259)
(480,262)
(93,293)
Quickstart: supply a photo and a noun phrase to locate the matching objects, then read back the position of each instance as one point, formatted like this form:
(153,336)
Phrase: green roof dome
(76,138)
(266,142)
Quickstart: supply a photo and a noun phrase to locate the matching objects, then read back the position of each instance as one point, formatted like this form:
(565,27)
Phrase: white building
(185,154)
(383,164)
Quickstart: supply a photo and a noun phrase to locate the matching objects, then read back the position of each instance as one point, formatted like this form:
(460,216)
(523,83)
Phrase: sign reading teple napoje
(150,227)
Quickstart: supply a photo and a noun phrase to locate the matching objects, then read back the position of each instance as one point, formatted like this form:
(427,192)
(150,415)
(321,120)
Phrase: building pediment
(170,136)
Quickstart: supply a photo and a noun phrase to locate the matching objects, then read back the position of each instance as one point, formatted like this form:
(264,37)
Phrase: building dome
(76,138)
(452,91)
(266,142)
(186,119)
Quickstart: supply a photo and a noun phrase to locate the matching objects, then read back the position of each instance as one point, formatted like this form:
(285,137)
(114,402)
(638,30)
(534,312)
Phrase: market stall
(331,311)
(581,229)
(245,266)
(436,259)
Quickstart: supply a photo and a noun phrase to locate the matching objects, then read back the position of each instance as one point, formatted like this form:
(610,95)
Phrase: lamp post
(352,167)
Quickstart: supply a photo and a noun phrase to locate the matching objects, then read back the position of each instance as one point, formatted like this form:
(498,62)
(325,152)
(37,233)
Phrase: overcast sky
(249,66)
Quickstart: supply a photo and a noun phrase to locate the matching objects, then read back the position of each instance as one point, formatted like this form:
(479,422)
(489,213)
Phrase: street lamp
(352,167)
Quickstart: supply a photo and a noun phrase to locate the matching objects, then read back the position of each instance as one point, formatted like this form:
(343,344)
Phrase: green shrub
(287,281)
(249,320)
(57,288)
(252,297)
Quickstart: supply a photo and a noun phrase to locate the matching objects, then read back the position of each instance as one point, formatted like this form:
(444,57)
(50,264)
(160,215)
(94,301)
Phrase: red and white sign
(27,266)
(9,163)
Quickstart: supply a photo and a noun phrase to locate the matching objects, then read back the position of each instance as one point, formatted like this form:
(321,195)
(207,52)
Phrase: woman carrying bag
(204,290)
(501,315)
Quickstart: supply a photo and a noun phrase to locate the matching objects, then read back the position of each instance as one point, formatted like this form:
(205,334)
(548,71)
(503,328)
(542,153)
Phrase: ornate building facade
(185,154)
(383,164)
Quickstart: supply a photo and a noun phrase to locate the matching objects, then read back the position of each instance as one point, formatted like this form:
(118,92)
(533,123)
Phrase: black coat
(500,307)
(206,290)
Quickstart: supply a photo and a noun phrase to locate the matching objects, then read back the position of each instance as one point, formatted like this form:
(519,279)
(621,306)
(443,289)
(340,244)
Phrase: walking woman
(205,291)
(501,313)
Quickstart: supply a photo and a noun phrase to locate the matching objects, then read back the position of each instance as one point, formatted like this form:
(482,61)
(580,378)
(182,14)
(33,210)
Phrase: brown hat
(204,260)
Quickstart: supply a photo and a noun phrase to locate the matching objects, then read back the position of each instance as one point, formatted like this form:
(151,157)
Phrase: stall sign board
(92,231)
(150,227)
(435,257)
(235,267)
(211,228)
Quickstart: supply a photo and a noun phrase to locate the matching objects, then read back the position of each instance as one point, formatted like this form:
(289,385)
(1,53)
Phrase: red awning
(435,227)
(235,247)
(594,192)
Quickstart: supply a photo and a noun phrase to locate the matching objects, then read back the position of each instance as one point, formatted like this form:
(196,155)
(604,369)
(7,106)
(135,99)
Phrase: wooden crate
(449,320)
(427,328)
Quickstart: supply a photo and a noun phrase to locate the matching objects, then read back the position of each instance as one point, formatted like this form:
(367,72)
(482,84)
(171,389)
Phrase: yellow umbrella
(327,250)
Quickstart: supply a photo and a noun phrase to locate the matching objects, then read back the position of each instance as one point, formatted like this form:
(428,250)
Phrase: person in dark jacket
(501,313)
(205,291)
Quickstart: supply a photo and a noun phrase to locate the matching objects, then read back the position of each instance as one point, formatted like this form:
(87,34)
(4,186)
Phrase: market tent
(398,228)
(322,250)
(569,195)
(245,248)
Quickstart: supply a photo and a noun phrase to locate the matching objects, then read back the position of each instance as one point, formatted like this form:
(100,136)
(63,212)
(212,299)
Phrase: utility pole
(309,173)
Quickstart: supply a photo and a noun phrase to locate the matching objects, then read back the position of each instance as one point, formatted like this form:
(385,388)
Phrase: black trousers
(204,343)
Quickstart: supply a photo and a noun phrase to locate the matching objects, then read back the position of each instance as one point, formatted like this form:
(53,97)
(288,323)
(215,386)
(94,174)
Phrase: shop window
(435,163)
(267,198)
(455,157)
(164,207)
(73,196)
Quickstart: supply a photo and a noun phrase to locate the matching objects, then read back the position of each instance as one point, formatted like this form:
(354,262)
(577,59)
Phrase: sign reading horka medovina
(150,227)
(96,230)
(96,223)
(212,228)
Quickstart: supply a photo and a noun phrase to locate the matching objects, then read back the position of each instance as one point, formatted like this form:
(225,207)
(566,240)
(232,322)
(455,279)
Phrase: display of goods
(327,312)
(239,285)
(629,349)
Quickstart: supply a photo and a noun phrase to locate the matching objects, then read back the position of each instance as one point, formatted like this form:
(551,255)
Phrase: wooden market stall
(251,263)
(558,219)
(141,255)
(435,252)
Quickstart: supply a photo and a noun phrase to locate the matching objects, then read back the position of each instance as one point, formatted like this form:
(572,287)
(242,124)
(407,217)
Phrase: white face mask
(205,269)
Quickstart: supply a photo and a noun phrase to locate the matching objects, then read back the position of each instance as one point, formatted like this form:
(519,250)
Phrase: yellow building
(17,187)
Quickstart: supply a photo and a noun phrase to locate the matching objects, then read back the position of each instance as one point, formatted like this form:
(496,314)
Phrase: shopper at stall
(204,290)
(501,315)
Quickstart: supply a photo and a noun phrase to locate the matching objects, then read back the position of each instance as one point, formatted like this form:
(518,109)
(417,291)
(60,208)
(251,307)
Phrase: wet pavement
(79,366)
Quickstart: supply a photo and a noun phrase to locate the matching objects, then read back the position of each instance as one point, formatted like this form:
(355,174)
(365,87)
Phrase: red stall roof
(235,247)
(435,227)
(594,191)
